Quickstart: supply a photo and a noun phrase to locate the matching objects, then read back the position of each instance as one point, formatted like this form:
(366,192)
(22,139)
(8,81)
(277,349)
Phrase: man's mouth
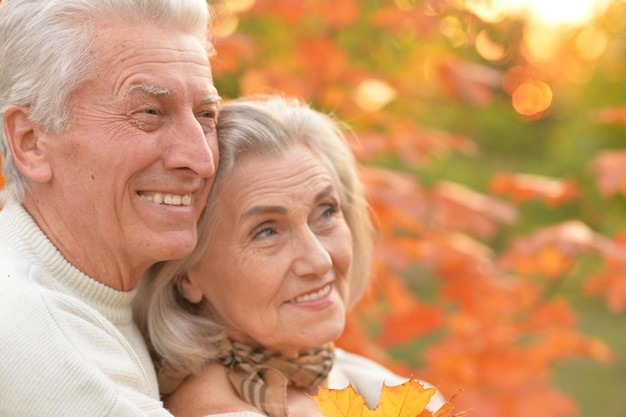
(169,199)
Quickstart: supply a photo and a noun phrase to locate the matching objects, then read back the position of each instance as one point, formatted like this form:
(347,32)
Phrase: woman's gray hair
(45,55)
(184,336)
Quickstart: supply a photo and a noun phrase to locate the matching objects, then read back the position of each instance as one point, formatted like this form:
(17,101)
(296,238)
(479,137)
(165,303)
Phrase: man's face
(132,173)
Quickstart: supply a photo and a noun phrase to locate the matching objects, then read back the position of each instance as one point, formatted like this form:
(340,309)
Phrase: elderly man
(109,152)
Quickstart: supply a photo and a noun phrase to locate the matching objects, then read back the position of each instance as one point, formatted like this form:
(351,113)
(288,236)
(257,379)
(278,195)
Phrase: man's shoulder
(22,306)
(58,354)
(18,293)
(13,263)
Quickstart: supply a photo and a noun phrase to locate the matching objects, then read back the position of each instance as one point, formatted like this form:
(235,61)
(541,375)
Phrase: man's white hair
(45,55)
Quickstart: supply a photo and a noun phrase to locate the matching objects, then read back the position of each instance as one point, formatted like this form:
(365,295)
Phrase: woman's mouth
(312,296)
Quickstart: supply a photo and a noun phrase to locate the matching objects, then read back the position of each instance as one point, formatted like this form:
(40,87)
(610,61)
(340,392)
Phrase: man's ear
(190,289)
(24,141)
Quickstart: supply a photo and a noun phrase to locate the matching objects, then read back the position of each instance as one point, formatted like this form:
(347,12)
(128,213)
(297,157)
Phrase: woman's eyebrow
(269,209)
(275,209)
(324,193)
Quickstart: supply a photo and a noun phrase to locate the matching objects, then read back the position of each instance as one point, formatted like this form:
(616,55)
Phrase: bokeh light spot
(514,77)
(532,98)
(487,48)
(373,95)
(225,24)
(591,43)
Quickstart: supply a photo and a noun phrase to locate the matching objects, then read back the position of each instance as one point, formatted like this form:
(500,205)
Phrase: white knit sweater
(68,345)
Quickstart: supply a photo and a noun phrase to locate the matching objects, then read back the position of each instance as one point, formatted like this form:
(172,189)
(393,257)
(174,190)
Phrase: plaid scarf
(261,376)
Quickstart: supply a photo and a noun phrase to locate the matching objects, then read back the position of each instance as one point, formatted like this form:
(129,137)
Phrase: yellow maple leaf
(344,402)
(406,400)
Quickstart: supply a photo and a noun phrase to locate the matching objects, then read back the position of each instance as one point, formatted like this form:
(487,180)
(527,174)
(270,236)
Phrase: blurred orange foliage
(523,187)
(610,170)
(492,326)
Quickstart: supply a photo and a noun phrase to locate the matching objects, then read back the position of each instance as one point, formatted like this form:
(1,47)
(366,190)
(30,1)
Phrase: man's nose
(192,148)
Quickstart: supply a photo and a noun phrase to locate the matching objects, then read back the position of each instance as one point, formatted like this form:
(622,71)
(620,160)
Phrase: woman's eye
(149,111)
(330,211)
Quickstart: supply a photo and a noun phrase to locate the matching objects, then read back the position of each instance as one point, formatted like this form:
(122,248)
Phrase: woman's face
(276,268)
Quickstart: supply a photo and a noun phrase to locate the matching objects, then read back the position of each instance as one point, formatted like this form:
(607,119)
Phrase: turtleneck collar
(19,230)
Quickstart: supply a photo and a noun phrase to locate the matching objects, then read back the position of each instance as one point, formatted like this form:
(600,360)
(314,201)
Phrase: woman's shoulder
(209,393)
(367,377)
(350,367)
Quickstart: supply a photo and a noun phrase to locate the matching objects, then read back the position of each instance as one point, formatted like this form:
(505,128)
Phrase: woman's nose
(311,257)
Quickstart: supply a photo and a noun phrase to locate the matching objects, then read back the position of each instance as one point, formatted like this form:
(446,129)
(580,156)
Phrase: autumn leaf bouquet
(406,400)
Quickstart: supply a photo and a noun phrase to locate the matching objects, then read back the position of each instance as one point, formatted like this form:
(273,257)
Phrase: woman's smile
(315,295)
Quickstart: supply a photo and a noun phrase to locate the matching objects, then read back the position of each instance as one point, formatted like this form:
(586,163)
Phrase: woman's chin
(327,335)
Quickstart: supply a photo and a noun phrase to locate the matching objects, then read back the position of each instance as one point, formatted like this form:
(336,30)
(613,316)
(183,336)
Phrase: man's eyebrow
(212,99)
(150,89)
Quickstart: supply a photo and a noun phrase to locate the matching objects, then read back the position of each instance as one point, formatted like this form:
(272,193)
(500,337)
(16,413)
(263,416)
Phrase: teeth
(312,296)
(169,199)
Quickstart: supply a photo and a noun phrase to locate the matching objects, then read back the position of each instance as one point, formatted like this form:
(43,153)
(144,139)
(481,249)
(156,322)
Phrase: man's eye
(208,114)
(208,120)
(208,117)
(267,232)
(146,119)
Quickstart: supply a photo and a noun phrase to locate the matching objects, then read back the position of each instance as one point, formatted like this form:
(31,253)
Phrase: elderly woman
(244,326)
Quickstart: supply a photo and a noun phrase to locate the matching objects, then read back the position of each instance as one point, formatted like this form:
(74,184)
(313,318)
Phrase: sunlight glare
(372,95)
(539,43)
(225,24)
(591,43)
(226,21)
(550,12)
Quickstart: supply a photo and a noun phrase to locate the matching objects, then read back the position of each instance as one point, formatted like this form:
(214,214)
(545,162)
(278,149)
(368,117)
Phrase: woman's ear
(24,141)
(189,289)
